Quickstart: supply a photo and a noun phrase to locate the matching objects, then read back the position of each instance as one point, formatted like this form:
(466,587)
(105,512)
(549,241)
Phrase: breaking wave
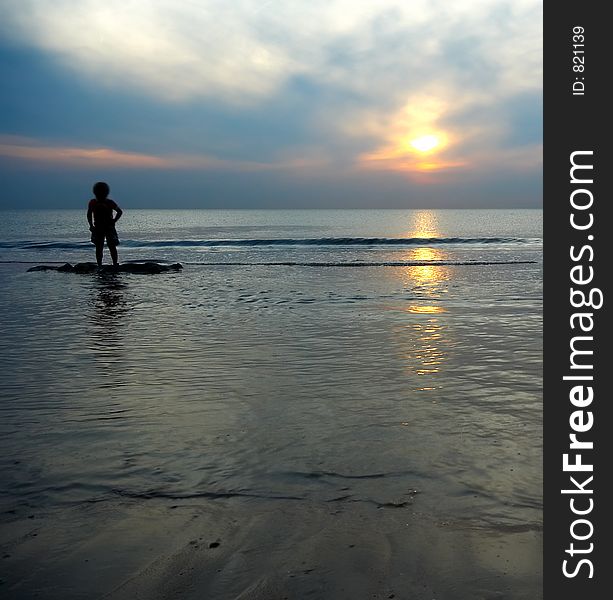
(340,241)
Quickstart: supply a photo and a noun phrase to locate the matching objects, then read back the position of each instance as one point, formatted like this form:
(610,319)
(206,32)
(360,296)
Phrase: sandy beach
(249,549)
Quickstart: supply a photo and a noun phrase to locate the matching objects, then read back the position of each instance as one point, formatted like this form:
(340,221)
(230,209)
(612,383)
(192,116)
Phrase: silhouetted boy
(102,222)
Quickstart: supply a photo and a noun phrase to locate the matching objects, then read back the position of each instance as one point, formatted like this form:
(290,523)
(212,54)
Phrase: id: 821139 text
(578,60)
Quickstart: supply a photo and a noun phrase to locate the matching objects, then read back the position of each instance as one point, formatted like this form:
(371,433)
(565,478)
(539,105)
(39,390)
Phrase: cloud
(469,130)
(245,51)
(32,150)
(340,87)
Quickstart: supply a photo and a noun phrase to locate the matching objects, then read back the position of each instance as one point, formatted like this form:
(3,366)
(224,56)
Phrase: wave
(386,263)
(330,241)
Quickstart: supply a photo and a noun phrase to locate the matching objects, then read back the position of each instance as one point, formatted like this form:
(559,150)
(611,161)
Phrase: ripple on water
(313,384)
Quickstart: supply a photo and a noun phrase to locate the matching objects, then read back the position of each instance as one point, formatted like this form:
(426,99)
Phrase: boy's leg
(113,251)
(99,251)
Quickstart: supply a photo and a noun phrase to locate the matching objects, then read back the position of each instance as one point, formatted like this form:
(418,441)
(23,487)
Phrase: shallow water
(380,385)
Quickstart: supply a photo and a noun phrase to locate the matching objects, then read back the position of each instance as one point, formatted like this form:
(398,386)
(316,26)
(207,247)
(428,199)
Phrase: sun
(425,143)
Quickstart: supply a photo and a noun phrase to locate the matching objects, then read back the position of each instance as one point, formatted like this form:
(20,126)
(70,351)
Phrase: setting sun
(413,140)
(425,143)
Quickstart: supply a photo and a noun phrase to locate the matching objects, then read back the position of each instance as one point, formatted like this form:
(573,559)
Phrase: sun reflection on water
(425,337)
(427,277)
(425,225)
(425,309)
(424,348)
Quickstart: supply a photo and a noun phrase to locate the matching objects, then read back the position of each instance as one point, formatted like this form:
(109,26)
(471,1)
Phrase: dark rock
(42,268)
(146,268)
(66,268)
(87,267)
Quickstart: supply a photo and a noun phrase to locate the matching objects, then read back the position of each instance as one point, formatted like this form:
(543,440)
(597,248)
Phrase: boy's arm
(90,212)
(118,213)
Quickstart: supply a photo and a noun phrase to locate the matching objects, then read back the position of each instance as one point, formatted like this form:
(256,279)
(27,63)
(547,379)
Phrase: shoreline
(261,550)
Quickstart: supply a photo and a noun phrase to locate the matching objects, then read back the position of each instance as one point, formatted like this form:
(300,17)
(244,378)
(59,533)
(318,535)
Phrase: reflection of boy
(102,222)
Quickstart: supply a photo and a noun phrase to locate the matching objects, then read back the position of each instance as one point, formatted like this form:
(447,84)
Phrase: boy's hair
(101,189)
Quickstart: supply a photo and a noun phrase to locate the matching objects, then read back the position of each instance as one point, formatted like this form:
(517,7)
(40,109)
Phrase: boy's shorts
(100,233)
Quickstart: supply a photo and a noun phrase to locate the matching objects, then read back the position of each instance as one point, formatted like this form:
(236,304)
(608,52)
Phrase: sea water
(384,357)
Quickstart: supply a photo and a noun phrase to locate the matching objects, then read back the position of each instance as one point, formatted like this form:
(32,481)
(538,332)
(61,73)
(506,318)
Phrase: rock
(148,267)
(42,268)
(66,268)
(87,267)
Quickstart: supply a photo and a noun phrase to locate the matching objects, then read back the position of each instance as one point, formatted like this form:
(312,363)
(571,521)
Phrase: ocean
(380,366)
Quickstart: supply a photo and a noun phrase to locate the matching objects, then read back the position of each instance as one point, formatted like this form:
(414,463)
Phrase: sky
(272,103)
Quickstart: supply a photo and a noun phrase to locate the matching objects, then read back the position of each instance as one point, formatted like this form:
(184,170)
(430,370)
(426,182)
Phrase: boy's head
(101,190)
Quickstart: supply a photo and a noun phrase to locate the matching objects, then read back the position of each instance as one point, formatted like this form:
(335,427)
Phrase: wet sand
(262,550)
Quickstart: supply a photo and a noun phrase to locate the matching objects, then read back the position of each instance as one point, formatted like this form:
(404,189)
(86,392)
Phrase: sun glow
(413,139)
(425,143)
